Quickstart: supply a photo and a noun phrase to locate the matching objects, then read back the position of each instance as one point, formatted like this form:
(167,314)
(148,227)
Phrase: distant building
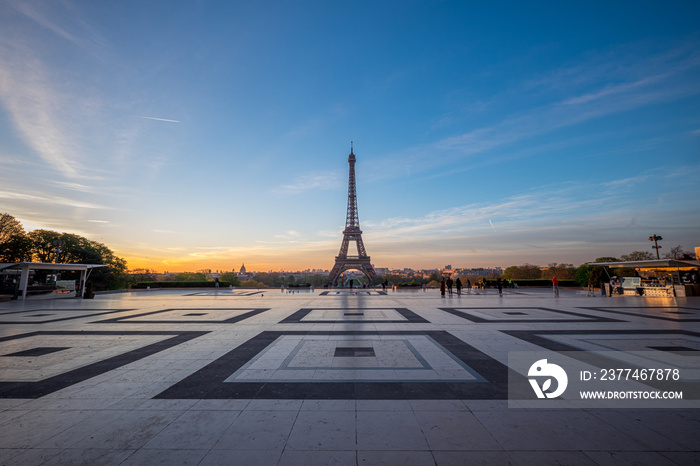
(243,271)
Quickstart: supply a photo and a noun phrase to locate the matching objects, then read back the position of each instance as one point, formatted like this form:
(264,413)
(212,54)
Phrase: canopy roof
(49,266)
(656,263)
(23,268)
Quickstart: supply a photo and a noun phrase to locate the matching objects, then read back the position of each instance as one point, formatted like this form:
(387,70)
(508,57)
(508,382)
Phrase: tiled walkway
(264,377)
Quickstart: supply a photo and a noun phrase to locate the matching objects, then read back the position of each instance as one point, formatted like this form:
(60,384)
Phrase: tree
(250,283)
(679,254)
(607,259)
(140,275)
(190,277)
(17,248)
(637,256)
(15,245)
(562,271)
(76,249)
(522,272)
(9,227)
(317,280)
(272,279)
(44,245)
(230,277)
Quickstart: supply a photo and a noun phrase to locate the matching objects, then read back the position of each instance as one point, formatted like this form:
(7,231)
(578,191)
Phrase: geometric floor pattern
(321,377)
(510,314)
(349,365)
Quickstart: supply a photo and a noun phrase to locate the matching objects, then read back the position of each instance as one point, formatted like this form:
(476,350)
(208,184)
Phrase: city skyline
(203,136)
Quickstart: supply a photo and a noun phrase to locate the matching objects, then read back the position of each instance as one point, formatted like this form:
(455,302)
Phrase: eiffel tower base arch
(343,264)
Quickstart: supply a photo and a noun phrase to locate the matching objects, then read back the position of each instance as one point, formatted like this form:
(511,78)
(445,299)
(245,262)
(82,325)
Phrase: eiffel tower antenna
(352,232)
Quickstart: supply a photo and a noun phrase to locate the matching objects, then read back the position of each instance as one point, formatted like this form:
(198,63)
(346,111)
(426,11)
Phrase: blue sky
(189,135)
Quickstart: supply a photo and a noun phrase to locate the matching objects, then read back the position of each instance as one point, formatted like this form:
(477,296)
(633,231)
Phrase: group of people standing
(446,285)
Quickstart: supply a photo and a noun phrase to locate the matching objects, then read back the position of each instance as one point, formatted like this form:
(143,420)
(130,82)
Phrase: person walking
(449,285)
(469,286)
(442,286)
(499,285)
(458,284)
(555,285)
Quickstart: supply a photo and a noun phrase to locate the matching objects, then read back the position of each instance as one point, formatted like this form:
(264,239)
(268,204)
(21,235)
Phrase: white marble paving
(115,416)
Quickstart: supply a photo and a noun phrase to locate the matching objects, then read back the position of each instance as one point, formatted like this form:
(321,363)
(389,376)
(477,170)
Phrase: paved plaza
(265,377)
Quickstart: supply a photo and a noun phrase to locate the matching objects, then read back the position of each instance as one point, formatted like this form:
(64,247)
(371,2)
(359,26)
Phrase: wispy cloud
(158,119)
(74,186)
(596,87)
(47,199)
(32,104)
(325,180)
(290,235)
(51,114)
(626,182)
(531,210)
(42,17)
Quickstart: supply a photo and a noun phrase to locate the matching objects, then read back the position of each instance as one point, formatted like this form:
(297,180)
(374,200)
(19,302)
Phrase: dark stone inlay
(208,382)
(72,377)
(407,314)
(681,350)
(691,390)
(517,313)
(39,351)
(232,320)
(225,293)
(359,291)
(354,313)
(196,314)
(58,319)
(366,352)
(461,312)
(676,315)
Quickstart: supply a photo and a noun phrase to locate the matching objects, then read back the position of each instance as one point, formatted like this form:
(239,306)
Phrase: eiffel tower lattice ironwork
(352,232)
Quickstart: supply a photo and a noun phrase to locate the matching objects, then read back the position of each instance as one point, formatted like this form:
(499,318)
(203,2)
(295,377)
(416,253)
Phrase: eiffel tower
(352,232)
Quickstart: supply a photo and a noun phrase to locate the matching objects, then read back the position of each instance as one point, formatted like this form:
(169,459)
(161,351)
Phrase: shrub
(253,284)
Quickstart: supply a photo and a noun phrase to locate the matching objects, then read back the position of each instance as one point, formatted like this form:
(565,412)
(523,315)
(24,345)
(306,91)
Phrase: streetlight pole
(59,244)
(656,246)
